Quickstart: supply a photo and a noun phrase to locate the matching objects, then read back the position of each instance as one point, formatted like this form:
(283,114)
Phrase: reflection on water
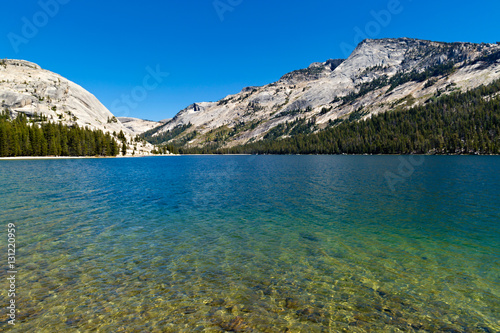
(254,244)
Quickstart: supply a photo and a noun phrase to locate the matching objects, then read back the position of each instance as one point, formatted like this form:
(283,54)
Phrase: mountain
(138,126)
(379,76)
(26,88)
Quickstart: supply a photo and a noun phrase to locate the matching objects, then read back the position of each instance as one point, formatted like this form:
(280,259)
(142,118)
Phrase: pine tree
(124,149)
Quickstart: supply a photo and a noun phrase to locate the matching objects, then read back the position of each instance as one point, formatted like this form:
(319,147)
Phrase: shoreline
(16,158)
(50,157)
(20,158)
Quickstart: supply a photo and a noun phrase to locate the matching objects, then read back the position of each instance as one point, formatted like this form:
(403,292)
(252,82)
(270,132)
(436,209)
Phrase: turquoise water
(254,244)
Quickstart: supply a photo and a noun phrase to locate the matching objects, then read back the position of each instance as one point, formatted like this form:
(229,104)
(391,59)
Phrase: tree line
(23,137)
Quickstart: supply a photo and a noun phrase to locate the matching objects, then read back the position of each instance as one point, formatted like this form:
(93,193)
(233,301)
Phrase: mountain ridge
(379,75)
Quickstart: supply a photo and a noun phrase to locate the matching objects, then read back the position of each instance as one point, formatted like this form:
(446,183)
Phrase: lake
(254,244)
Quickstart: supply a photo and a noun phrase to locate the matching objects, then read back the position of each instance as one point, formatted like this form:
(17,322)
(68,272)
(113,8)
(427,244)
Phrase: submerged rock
(217,302)
(291,303)
(188,310)
(309,237)
(312,315)
(235,325)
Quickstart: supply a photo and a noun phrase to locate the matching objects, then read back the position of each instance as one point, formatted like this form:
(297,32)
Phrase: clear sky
(121,50)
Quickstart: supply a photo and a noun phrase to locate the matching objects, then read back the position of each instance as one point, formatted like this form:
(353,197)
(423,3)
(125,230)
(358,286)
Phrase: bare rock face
(138,126)
(372,79)
(26,88)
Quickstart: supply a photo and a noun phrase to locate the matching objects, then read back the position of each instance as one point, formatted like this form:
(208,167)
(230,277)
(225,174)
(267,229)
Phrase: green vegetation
(431,72)
(253,108)
(178,137)
(299,126)
(165,136)
(430,83)
(174,135)
(244,126)
(20,137)
(311,71)
(488,59)
(458,123)
(224,101)
(124,148)
(165,149)
(218,135)
(121,136)
(289,113)
(325,110)
(358,114)
(185,138)
(243,97)
(364,89)
(397,80)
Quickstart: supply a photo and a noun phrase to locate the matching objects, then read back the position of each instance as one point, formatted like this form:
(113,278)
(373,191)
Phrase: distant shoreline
(20,158)
(71,157)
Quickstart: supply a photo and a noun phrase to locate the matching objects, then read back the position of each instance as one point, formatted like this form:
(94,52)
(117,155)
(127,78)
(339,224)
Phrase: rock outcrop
(138,126)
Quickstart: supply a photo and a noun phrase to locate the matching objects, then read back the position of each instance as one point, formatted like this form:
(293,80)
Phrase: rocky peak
(334,63)
(249,89)
(315,71)
(19,63)
(409,53)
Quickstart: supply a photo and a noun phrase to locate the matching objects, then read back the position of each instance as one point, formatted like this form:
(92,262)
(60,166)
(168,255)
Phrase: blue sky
(214,48)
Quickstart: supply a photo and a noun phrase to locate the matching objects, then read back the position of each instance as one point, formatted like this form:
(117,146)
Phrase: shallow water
(254,244)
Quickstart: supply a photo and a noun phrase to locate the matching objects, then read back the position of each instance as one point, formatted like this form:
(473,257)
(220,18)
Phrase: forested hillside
(458,123)
(23,137)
